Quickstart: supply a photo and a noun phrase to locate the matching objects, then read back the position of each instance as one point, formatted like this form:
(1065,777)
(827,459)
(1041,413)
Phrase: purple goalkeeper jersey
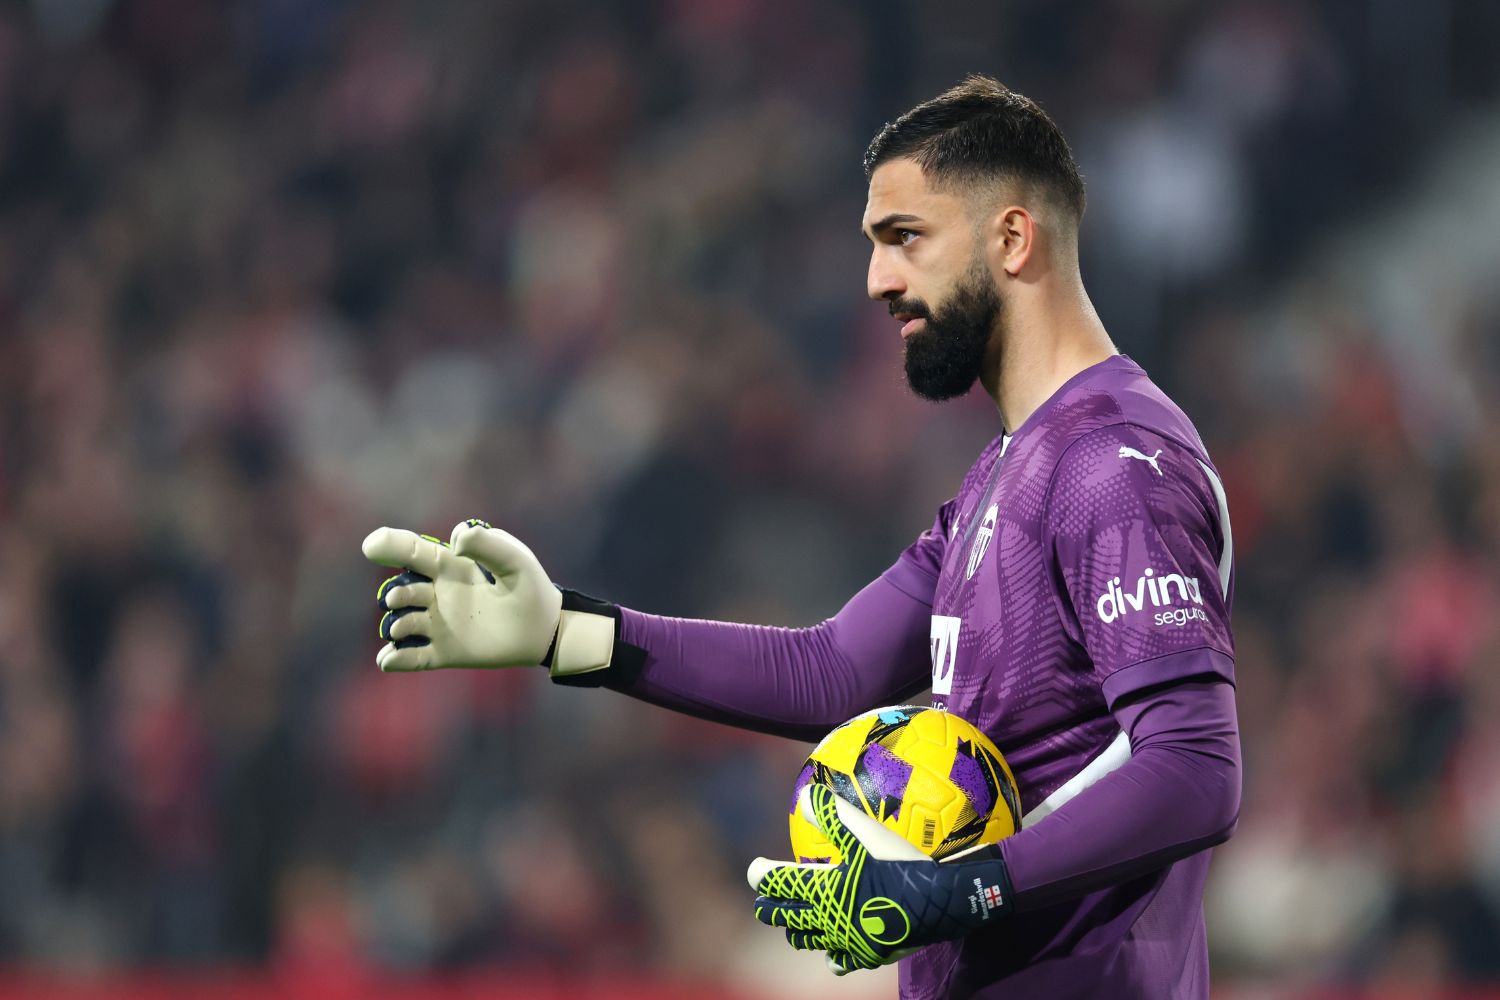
(1086,557)
(1078,583)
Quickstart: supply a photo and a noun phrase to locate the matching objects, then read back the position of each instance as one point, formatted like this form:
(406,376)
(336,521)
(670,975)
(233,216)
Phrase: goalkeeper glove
(481,600)
(885,900)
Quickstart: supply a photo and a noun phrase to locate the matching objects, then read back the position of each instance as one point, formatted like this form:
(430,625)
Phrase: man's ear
(1013,237)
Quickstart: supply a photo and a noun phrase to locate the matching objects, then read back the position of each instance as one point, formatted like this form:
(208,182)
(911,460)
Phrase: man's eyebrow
(885,225)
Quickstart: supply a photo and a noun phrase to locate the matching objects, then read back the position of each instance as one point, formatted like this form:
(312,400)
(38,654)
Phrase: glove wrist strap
(585,642)
(982,888)
(587,650)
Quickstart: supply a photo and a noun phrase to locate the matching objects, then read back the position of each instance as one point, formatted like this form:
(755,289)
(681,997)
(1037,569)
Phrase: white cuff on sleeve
(585,642)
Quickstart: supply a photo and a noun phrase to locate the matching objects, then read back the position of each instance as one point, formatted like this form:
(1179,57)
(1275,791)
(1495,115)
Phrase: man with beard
(1073,596)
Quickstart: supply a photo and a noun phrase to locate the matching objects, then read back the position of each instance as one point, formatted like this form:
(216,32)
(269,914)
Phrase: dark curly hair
(982,130)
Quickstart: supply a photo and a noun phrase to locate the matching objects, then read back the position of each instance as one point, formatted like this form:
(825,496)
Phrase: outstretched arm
(789,682)
(483,600)
(800,682)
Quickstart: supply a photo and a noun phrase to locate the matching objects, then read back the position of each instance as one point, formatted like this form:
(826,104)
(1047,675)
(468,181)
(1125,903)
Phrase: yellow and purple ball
(927,774)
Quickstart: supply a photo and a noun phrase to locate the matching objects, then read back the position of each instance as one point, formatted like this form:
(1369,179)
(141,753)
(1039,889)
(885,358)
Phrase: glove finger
(397,547)
(795,916)
(849,962)
(820,805)
(464,525)
(402,579)
(404,659)
(805,940)
(783,879)
(874,836)
(841,963)
(405,623)
(760,868)
(498,551)
(412,595)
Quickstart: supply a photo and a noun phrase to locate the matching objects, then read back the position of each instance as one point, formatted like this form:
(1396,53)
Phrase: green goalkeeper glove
(885,899)
(479,600)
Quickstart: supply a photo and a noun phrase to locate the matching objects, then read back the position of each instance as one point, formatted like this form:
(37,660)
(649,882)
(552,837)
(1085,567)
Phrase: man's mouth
(910,323)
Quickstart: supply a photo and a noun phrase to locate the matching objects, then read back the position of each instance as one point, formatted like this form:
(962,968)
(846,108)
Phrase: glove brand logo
(945,629)
(1117,602)
(884,921)
(982,540)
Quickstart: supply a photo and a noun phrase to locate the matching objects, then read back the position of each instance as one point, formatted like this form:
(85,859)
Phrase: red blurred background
(273,273)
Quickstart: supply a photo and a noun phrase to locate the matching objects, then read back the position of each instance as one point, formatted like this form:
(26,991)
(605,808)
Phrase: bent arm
(798,683)
(1178,794)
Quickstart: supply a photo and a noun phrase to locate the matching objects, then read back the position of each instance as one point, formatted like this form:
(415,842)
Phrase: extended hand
(480,600)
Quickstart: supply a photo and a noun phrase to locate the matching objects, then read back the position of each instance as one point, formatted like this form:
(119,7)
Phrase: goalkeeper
(1072,601)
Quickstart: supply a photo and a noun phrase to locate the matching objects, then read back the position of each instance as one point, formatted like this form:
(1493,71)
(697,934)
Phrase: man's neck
(1042,351)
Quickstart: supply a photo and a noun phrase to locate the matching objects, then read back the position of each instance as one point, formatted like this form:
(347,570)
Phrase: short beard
(946,358)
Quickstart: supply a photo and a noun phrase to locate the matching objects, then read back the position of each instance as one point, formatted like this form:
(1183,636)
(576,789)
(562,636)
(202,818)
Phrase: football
(927,774)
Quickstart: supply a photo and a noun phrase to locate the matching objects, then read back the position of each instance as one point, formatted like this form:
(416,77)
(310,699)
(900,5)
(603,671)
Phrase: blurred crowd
(273,273)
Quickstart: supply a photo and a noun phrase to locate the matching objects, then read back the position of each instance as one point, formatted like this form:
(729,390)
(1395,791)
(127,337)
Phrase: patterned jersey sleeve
(1142,546)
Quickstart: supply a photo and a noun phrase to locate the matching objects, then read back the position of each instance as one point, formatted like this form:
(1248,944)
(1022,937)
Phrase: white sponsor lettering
(1181,616)
(1155,591)
(945,629)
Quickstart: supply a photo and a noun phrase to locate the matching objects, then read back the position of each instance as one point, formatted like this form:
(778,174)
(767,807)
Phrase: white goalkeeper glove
(480,600)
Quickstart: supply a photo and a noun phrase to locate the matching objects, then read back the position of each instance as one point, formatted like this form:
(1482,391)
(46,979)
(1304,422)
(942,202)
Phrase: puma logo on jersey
(1128,452)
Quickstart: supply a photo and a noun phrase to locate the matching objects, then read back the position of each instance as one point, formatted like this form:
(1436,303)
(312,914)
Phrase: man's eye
(905,236)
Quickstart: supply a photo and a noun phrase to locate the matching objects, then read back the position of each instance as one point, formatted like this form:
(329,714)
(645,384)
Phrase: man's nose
(883,281)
